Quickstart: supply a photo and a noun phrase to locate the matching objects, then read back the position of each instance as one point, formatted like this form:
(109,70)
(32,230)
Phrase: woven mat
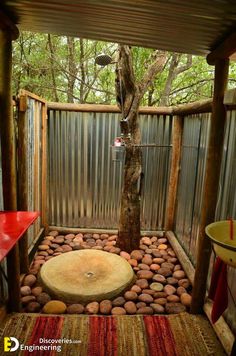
(174,335)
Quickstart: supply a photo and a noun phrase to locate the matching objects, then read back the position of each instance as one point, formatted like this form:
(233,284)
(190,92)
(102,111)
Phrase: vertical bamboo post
(44,195)
(212,175)
(8,160)
(22,178)
(177,135)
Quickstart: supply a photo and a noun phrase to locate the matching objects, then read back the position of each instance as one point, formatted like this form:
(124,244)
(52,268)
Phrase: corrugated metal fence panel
(34,162)
(189,198)
(226,205)
(85,184)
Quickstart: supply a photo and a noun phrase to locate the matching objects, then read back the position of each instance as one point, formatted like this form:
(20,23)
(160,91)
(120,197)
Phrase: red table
(13,225)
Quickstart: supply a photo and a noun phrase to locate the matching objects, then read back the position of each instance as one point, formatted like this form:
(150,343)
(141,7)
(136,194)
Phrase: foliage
(63,69)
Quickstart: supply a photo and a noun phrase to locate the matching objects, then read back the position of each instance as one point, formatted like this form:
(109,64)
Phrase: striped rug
(174,335)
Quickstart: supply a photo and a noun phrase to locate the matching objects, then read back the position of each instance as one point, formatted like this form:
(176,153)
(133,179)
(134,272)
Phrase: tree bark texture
(129,94)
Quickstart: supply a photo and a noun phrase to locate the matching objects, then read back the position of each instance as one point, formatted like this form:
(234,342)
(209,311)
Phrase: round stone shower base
(86,275)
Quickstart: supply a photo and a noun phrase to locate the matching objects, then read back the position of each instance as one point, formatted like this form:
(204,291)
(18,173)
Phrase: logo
(11,344)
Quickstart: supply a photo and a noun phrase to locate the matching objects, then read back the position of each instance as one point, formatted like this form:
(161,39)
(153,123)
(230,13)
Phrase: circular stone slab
(86,275)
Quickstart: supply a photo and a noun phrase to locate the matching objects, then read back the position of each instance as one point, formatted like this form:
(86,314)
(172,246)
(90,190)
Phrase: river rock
(136,289)
(166,272)
(140,305)
(105,307)
(146,240)
(54,307)
(144,266)
(104,236)
(92,308)
(69,236)
(171,253)
(154,267)
(25,290)
(137,255)
(181,290)
(96,236)
(46,242)
(172,281)
(162,247)
(119,301)
(174,308)
(43,253)
(145,310)
(168,265)
(53,233)
(145,274)
(147,260)
(179,274)
(158,287)
(184,283)
(130,295)
(36,291)
(59,240)
(169,289)
(118,311)
(142,283)
(66,248)
(43,247)
(125,255)
(49,237)
(157,308)
(133,262)
(148,291)
(29,280)
(33,307)
(146,298)
(159,278)
(28,298)
(161,301)
(130,307)
(156,253)
(160,295)
(43,298)
(186,299)
(162,240)
(75,309)
(177,267)
(173,298)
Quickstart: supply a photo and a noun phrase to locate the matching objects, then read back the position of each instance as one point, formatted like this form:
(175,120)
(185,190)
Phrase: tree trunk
(52,60)
(129,95)
(71,68)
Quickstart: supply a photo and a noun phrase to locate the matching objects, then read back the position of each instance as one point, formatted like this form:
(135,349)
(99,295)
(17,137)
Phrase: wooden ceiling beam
(224,50)
(6,24)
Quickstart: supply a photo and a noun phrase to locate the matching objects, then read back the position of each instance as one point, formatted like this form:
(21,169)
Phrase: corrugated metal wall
(85,184)
(226,206)
(34,123)
(30,160)
(189,196)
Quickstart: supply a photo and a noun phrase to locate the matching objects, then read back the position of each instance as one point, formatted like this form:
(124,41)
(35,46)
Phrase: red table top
(13,224)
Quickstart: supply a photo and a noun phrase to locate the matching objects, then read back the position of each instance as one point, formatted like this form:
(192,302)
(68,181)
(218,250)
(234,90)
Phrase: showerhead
(103,59)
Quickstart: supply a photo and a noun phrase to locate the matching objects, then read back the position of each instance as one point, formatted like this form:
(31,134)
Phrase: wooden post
(212,175)
(22,179)
(44,195)
(8,159)
(177,134)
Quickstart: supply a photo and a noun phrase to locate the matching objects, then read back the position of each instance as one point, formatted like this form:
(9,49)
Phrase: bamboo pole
(177,134)
(212,175)
(44,194)
(221,328)
(22,179)
(200,106)
(9,161)
(182,256)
